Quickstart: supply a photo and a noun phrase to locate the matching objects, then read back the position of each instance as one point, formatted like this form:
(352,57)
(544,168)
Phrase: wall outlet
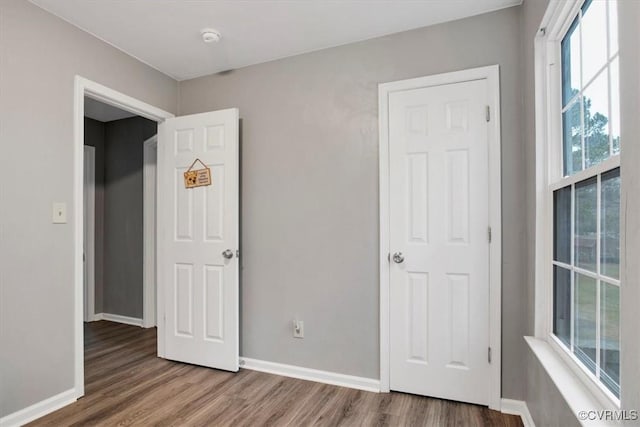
(298,329)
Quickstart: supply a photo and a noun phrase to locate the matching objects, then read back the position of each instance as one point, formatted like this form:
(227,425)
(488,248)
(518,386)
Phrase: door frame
(149,278)
(84,87)
(492,75)
(89,233)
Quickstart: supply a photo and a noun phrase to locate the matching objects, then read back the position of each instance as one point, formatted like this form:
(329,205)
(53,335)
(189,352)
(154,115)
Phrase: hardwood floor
(126,384)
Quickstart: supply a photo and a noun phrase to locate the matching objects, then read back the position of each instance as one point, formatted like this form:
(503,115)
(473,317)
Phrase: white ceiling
(166,33)
(96,110)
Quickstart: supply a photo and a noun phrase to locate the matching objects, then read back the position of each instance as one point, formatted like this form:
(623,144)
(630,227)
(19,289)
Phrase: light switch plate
(59,213)
(298,329)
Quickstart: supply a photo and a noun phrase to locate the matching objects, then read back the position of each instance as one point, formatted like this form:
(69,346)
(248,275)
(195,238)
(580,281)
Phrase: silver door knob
(398,257)
(228,254)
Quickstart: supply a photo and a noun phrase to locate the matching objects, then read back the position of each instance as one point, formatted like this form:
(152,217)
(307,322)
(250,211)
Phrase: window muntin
(586,264)
(586,208)
(590,100)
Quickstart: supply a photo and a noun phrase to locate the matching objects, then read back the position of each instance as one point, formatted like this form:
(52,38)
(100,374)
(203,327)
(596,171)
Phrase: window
(585,196)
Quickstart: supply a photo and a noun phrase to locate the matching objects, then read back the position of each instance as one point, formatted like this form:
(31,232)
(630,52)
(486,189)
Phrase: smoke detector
(210,36)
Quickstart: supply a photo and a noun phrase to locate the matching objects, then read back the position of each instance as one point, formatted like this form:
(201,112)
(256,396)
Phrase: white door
(198,240)
(89,232)
(439,217)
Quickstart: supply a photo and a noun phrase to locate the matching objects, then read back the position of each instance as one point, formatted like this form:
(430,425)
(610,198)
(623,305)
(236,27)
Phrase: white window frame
(549,177)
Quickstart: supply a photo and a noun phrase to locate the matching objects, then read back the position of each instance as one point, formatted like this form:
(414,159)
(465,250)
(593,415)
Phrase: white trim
(119,100)
(541,269)
(606,398)
(492,75)
(549,177)
(576,393)
(39,409)
(149,271)
(602,167)
(82,88)
(325,377)
(517,407)
(133,321)
(90,234)
(385,235)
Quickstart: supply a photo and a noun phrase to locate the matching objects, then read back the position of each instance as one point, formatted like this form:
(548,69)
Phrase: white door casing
(150,158)
(438,303)
(195,226)
(87,88)
(89,190)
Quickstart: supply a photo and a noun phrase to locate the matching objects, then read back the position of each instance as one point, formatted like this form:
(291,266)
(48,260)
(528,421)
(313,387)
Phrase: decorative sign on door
(197,177)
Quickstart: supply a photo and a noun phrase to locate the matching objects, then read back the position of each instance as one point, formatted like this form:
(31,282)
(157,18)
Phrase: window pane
(615,106)
(596,120)
(562,304)
(586,224)
(594,38)
(562,225)
(570,51)
(610,224)
(610,337)
(613,28)
(572,139)
(584,344)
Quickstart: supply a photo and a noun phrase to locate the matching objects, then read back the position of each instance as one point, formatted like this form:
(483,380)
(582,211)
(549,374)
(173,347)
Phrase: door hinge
(488,113)
(489,354)
(489,234)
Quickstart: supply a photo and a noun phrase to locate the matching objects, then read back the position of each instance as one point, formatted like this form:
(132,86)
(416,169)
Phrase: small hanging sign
(197,177)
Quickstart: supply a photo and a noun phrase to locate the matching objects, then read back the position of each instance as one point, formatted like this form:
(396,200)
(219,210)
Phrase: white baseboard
(39,409)
(119,319)
(517,407)
(325,377)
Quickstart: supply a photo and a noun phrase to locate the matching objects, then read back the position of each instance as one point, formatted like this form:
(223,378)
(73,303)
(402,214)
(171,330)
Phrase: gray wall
(309,192)
(94,134)
(39,56)
(123,214)
(546,405)
(310,188)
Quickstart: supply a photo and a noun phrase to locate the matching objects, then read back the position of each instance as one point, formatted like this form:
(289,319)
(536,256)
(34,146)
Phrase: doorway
(440,236)
(132,107)
(197,231)
(119,215)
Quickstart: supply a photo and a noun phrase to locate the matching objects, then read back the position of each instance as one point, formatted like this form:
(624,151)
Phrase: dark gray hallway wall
(94,134)
(123,213)
(310,188)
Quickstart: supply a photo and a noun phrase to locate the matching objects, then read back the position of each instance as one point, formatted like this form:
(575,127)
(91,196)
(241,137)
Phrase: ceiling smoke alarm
(210,36)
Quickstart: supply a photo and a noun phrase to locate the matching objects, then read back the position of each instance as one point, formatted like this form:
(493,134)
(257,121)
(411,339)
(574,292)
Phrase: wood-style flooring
(126,384)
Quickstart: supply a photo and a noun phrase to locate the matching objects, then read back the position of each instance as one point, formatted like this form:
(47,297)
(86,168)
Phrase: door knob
(228,254)
(398,257)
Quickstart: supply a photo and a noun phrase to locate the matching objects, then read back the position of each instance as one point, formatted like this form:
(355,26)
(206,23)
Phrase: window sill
(573,390)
